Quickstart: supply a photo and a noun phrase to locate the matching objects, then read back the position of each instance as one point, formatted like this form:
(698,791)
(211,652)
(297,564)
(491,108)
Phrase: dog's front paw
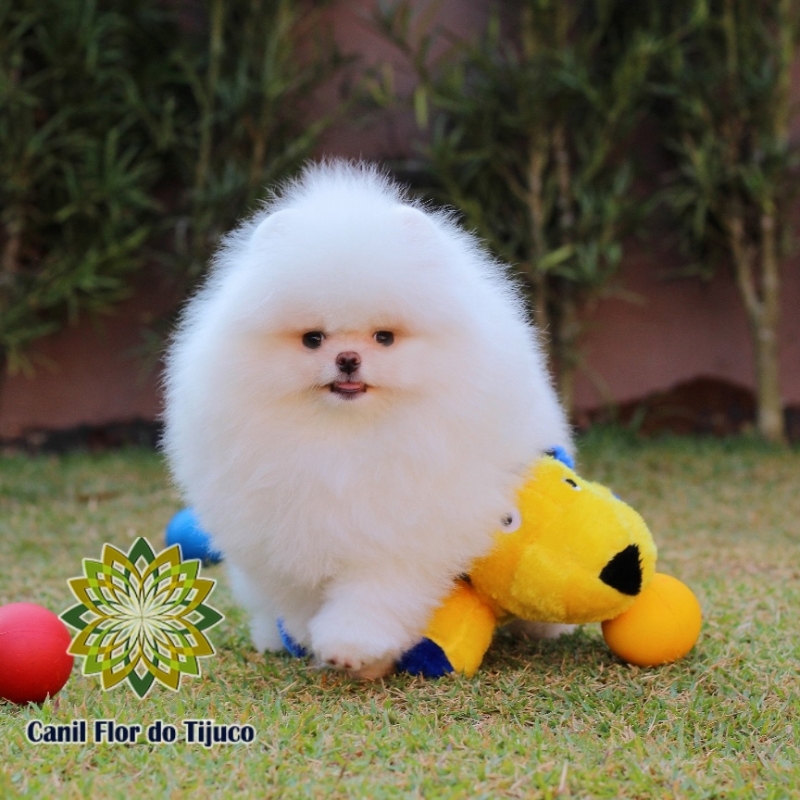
(358,661)
(361,669)
(374,671)
(364,625)
(361,656)
(341,658)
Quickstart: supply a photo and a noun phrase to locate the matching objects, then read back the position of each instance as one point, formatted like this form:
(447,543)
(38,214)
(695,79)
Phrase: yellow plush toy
(570,552)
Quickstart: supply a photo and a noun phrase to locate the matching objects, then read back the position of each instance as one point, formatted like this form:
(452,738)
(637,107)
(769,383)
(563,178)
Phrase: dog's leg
(266,599)
(260,607)
(264,631)
(369,618)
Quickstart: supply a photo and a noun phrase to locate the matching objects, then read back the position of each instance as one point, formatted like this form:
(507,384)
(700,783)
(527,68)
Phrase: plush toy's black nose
(624,571)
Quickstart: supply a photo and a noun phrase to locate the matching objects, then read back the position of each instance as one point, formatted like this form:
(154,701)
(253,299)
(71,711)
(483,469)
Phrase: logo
(141,617)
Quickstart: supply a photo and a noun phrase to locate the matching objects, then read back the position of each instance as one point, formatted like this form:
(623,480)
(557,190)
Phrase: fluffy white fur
(348,512)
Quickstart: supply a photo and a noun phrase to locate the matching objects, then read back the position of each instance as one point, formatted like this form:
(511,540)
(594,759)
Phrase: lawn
(561,718)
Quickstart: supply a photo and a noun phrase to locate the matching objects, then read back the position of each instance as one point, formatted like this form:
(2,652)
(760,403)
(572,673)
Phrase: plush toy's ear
(560,454)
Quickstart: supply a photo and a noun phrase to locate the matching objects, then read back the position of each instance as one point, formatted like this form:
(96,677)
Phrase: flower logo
(141,617)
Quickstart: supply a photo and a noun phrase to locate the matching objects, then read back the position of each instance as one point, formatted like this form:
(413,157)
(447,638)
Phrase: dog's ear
(273,225)
(418,224)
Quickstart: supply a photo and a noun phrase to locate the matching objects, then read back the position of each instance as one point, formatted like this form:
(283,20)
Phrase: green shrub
(77,165)
(726,110)
(132,133)
(528,131)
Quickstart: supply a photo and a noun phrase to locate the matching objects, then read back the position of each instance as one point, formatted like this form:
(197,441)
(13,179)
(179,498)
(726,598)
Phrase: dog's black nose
(348,362)
(624,571)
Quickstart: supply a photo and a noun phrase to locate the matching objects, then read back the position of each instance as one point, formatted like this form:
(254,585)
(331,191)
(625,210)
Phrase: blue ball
(185,530)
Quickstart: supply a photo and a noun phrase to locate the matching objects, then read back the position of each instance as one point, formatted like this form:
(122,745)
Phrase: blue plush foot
(184,530)
(295,649)
(426,659)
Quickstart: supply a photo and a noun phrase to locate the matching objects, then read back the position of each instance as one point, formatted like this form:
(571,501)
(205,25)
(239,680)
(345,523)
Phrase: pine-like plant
(529,136)
(77,166)
(250,67)
(725,107)
(136,131)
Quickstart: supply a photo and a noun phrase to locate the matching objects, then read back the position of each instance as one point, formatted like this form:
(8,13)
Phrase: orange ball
(661,626)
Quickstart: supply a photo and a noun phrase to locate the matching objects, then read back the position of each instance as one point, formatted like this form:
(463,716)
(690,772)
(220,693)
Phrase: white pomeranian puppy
(351,400)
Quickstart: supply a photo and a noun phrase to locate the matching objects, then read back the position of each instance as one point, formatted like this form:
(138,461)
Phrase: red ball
(34,662)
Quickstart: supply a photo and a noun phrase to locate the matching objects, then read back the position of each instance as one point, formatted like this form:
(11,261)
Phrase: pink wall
(679,330)
(88,374)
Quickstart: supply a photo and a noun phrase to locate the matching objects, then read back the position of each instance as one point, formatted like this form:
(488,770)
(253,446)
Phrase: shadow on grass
(580,649)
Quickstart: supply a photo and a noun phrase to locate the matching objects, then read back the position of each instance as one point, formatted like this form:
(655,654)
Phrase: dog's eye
(511,522)
(313,339)
(384,337)
(572,483)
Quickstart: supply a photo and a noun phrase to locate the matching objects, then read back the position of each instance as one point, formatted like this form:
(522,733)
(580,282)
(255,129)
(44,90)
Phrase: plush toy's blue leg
(298,651)
(426,659)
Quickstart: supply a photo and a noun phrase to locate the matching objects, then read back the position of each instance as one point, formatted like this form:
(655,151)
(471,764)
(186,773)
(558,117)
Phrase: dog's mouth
(348,389)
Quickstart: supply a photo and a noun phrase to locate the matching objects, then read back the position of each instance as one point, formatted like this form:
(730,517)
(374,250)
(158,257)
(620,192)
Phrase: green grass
(543,720)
